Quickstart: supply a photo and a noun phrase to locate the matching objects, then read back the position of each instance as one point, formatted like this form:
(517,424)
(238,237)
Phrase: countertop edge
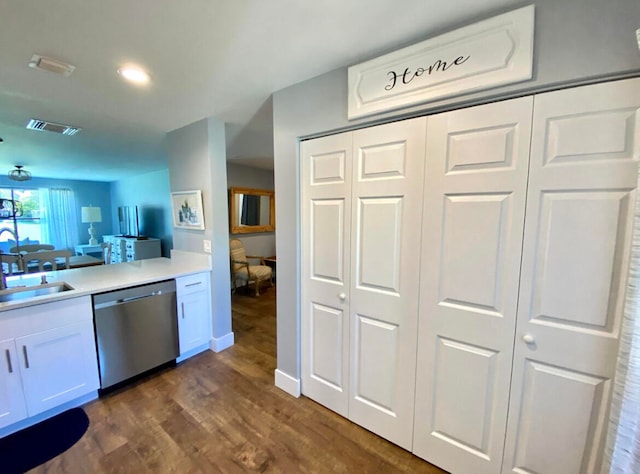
(104,278)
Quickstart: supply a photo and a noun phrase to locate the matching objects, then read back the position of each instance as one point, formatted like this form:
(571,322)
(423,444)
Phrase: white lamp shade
(91,214)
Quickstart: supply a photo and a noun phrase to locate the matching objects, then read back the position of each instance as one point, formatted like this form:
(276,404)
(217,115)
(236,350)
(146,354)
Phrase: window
(26,223)
(44,215)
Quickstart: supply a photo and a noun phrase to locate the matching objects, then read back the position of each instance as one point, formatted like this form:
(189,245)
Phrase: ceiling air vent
(51,65)
(42,125)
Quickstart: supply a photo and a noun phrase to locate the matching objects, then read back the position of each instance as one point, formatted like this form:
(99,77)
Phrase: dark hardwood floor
(222,413)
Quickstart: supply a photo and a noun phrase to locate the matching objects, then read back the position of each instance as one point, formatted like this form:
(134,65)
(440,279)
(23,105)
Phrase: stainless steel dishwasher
(136,330)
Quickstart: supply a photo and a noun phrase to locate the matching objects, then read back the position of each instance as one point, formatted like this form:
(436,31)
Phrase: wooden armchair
(241,269)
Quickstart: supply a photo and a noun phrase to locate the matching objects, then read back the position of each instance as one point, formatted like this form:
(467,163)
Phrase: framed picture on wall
(186,209)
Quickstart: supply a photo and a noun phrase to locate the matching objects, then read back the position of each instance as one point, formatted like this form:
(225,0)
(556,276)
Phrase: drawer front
(192,283)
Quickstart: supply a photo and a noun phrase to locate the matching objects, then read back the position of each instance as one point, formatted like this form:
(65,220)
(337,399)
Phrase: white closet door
(474,202)
(325,224)
(584,167)
(385,274)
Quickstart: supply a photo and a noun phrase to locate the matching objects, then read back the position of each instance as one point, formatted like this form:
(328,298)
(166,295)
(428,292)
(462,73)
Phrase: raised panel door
(325,225)
(474,203)
(386,203)
(12,404)
(582,189)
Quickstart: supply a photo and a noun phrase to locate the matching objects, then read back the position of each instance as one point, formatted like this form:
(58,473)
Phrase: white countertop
(98,279)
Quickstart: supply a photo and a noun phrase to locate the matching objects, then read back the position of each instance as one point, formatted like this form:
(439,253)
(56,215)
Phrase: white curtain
(622,454)
(59,220)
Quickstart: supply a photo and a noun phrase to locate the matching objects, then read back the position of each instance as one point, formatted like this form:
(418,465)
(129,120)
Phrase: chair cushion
(261,272)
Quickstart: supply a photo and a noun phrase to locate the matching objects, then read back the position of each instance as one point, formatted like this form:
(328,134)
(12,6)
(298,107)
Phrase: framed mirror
(252,210)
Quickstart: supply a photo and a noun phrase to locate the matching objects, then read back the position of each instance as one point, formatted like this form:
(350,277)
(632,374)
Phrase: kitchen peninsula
(49,360)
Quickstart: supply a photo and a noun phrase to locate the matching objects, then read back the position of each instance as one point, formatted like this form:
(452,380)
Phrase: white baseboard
(192,352)
(221,343)
(287,383)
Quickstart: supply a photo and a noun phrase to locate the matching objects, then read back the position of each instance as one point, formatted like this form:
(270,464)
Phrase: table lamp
(90,215)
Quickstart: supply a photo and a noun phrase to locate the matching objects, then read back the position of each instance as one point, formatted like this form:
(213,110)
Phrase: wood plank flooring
(222,413)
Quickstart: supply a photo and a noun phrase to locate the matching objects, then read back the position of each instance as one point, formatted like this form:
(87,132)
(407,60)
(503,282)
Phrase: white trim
(287,383)
(486,54)
(219,344)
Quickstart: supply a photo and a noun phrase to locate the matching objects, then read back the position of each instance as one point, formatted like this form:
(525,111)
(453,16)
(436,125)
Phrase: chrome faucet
(20,261)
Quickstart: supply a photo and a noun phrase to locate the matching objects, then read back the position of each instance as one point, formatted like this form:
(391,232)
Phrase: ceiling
(207,58)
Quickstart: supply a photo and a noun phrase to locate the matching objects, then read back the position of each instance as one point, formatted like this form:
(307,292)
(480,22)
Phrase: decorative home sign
(493,52)
(187,210)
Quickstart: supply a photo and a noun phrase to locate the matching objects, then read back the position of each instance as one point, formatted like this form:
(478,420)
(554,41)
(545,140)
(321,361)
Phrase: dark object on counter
(30,447)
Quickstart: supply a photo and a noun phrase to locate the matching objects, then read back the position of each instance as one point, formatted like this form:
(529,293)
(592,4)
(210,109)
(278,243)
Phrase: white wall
(576,41)
(150,192)
(197,160)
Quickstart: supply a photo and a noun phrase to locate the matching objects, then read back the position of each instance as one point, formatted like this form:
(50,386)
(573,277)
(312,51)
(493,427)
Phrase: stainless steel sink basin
(21,293)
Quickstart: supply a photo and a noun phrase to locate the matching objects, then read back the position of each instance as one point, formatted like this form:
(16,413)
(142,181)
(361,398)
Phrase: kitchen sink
(23,292)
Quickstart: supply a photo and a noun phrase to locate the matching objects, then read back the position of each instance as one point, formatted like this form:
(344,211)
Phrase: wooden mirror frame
(250,229)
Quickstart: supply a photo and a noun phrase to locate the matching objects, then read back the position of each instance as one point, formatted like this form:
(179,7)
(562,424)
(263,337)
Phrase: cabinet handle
(26,357)
(528,339)
(193,284)
(182,308)
(342,296)
(9,360)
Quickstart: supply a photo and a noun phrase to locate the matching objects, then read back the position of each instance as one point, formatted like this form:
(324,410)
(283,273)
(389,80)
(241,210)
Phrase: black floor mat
(39,443)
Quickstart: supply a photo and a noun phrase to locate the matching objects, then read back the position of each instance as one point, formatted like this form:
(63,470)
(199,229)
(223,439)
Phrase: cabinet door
(582,186)
(386,216)
(57,365)
(325,226)
(194,316)
(12,405)
(474,203)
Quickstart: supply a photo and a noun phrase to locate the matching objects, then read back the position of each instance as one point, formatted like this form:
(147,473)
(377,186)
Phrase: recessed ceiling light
(134,74)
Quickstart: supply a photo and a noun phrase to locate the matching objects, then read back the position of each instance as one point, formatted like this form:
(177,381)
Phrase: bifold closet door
(361,225)
(582,186)
(474,203)
(386,220)
(326,229)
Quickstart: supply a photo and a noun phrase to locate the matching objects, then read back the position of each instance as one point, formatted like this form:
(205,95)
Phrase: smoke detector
(52,65)
(43,125)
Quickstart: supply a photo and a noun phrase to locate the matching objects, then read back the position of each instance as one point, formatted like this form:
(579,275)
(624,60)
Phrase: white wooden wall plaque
(493,52)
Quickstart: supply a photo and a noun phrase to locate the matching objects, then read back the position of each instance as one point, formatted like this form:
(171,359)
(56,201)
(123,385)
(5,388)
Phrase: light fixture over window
(89,215)
(134,74)
(18,174)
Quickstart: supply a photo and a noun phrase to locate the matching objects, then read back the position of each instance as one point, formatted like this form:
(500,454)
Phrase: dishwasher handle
(134,298)
(122,301)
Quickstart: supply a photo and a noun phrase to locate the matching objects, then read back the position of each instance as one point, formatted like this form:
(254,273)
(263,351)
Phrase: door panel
(385,258)
(327,240)
(477,367)
(376,353)
(327,352)
(12,405)
(326,230)
(571,403)
(379,233)
(57,365)
(473,219)
(471,269)
(583,173)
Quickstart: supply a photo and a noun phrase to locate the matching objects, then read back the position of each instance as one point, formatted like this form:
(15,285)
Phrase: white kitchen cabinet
(49,357)
(12,404)
(194,313)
